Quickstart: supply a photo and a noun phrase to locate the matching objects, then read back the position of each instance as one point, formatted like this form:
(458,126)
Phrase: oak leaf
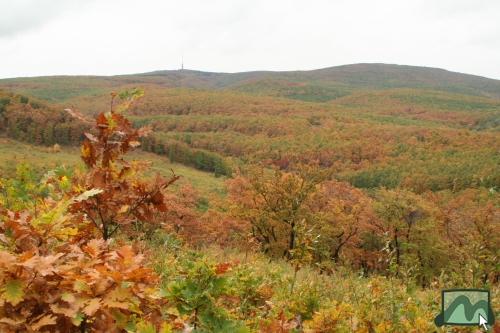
(44,321)
(93,305)
(13,292)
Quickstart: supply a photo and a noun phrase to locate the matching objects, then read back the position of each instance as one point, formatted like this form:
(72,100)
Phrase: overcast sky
(105,37)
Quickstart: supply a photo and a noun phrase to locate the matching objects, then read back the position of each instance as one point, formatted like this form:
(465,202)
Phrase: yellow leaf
(64,233)
(87,194)
(123,209)
(166,328)
(68,297)
(85,151)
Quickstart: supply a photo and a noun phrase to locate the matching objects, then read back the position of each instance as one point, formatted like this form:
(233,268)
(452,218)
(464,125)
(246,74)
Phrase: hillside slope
(376,132)
(26,119)
(350,77)
(315,85)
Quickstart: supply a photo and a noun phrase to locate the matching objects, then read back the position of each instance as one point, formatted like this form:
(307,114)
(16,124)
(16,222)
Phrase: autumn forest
(335,200)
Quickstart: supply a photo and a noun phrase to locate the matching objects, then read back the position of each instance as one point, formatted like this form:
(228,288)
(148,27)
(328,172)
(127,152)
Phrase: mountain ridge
(263,71)
(319,85)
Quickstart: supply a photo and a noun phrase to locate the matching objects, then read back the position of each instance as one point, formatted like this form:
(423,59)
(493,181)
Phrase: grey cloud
(23,15)
(126,36)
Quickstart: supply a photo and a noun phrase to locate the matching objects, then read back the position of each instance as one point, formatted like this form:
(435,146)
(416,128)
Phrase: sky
(108,37)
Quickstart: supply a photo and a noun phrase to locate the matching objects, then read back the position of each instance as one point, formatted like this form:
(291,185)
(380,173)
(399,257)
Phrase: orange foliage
(55,274)
(123,198)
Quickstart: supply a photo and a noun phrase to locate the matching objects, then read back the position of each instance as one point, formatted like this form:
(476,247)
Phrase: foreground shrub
(52,279)
(59,269)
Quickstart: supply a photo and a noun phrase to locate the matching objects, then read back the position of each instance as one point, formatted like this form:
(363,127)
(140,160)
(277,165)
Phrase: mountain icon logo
(465,307)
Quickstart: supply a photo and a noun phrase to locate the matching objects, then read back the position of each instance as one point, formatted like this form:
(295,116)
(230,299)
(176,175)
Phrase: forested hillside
(25,119)
(315,85)
(336,200)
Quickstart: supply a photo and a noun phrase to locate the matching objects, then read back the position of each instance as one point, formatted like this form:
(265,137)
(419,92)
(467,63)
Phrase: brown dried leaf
(44,321)
(92,306)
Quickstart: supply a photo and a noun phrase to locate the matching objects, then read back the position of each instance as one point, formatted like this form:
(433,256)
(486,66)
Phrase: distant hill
(316,85)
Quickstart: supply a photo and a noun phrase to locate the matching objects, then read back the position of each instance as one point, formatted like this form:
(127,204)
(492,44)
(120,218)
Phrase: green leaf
(68,297)
(53,215)
(78,319)
(65,183)
(120,318)
(80,286)
(13,292)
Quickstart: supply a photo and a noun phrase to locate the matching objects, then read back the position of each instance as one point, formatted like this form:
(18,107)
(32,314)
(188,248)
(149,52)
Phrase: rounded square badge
(465,307)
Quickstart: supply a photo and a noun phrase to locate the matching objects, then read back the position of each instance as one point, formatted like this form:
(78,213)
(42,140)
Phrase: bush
(181,153)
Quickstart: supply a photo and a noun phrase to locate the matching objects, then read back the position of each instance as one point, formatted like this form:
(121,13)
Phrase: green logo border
(439,320)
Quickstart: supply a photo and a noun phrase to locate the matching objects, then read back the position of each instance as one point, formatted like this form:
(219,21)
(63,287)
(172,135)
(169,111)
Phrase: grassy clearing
(13,153)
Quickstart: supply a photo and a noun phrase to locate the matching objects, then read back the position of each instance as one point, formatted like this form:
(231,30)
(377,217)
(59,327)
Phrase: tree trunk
(398,251)
(291,244)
